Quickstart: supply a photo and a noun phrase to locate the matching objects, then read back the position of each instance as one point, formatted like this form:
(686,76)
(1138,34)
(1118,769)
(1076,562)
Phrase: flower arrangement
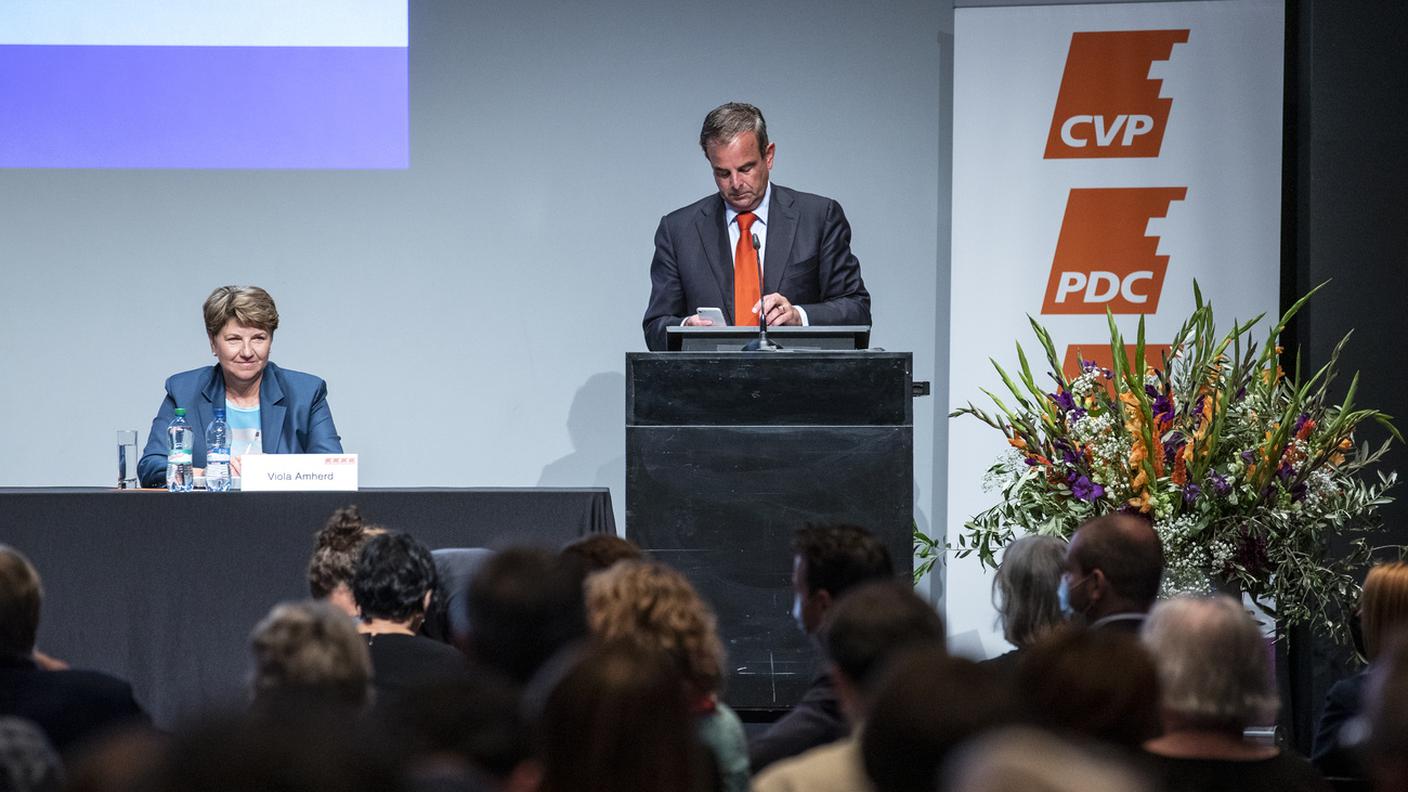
(1247,473)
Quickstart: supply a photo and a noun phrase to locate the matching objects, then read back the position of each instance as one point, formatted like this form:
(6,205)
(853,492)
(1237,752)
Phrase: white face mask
(797,613)
(1063,597)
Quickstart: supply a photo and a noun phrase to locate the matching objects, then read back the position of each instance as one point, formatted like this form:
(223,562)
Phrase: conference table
(163,589)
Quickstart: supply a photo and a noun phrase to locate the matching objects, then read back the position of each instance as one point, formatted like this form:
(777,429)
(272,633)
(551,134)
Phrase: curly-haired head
(652,606)
(393,576)
(336,547)
(310,647)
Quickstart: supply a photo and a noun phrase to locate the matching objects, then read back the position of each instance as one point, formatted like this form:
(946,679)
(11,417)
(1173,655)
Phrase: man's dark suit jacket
(808,260)
(69,706)
(816,720)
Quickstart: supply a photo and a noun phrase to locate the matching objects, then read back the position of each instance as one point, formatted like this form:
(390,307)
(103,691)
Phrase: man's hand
(695,320)
(779,311)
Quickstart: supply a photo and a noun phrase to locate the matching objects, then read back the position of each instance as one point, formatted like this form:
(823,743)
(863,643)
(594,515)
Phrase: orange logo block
(1108,106)
(1103,257)
(1099,354)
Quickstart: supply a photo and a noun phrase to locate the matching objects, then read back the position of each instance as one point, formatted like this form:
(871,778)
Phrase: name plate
(298,472)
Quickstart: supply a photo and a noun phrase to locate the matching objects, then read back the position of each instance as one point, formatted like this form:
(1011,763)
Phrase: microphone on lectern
(761,343)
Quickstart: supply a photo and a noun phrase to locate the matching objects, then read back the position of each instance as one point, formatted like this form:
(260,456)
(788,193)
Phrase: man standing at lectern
(708,254)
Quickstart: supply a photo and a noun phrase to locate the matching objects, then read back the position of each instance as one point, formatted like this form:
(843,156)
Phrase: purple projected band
(203,107)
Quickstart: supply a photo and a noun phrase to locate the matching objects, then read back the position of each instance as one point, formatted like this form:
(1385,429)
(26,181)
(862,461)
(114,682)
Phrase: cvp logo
(1103,257)
(1108,106)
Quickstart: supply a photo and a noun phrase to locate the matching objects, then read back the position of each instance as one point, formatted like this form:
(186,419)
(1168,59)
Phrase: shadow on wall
(596,427)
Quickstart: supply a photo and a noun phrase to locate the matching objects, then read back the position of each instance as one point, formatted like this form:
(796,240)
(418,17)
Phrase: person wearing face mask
(270,410)
(827,561)
(1112,571)
(704,256)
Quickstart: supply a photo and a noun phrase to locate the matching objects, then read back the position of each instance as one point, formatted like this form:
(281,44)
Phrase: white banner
(1104,156)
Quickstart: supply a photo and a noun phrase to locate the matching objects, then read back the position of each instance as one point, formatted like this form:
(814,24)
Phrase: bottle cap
(180,411)
(219,412)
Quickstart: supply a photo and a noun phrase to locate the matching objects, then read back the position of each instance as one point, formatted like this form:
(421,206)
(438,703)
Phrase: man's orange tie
(746,292)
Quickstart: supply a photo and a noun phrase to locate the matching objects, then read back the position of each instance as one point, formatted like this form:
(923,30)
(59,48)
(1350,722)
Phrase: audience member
(869,627)
(309,653)
(126,761)
(308,750)
(827,561)
(1026,760)
(1024,594)
(524,606)
(70,706)
(28,762)
(614,718)
(651,606)
(1094,684)
(600,551)
(1215,681)
(465,731)
(392,586)
(925,707)
(1113,568)
(1386,712)
(1383,609)
(336,548)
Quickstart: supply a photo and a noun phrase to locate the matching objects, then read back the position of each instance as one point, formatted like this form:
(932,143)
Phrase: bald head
(1127,554)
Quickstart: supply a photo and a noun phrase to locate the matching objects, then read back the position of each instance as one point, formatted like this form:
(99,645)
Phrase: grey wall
(471,314)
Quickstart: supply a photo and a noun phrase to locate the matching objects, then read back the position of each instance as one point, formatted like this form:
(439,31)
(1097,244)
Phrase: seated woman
(1215,680)
(336,548)
(270,410)
(653,607)
(1024,593)
(392,586)
(1383,610)
(308,654)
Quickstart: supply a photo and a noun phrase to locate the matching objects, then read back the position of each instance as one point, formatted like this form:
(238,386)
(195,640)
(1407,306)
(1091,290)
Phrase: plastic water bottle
(217,453)
(179,476)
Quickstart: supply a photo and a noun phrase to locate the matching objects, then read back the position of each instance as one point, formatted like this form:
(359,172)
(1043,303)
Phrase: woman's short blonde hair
(1383,607)
(651,606)
(250,306)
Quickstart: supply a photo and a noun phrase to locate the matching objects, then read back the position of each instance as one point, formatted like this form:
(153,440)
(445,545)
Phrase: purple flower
(1241,394)
(1064,400)
(1297,492)
(1077,414)
(1220,484)
(1086,490)
(1285,472)
(1030,461)
(1191,493)
(1248,457)
(1300,421)
(1087,365)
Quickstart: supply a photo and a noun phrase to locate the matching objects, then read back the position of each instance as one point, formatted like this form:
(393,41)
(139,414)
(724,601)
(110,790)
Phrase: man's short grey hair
(1032,760)
(310,647)
(1212,661)
(728,121)
(1024,588)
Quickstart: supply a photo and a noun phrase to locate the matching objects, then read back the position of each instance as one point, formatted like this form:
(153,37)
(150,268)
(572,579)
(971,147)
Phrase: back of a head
(926,705)
(524,605)
(651,606)
(1383,605)
(309,652)
(838,557)
(28,763)
(600,551)
(1212,661)
(1093,683)
(873,624)
(393,576)
(615,718)
(1386,711)
(1035,761)
(473,718)
(1127,550)
(21,595)
(336,548)
(1024,588)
